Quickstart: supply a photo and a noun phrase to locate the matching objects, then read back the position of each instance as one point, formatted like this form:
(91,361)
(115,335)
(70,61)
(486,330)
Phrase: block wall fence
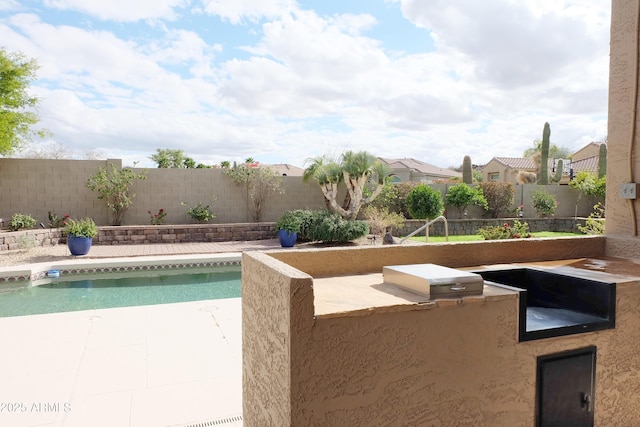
(36,186)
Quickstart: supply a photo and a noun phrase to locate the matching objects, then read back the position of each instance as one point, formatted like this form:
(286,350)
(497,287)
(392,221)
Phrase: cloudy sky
(283,80)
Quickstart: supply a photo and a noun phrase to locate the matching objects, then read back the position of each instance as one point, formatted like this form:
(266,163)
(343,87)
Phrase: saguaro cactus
(558,175)
(467,174)
(544,160)
(602,160)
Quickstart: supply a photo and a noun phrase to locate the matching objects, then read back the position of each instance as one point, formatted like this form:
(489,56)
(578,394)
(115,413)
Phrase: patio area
(159,365)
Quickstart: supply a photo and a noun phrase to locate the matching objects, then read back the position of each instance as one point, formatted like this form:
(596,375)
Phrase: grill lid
(428,279)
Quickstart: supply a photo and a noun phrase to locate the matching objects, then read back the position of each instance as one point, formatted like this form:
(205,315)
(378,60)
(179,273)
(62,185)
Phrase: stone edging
(144,234)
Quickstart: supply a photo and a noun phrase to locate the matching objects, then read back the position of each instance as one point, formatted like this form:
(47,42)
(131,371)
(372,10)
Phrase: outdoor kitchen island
(327,342)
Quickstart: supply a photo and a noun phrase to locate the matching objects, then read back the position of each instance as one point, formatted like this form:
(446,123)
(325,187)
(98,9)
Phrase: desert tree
(355,170)
(18,112)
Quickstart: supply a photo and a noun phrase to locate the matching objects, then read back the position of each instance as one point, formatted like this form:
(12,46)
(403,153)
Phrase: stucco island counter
(327,342)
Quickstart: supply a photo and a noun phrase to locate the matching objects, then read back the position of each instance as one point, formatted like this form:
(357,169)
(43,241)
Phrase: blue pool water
(62,295)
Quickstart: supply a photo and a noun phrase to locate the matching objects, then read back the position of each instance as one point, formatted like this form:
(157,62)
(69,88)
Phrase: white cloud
(237,11)
(8,5)
(514,42)
(122,10)
(307,84)
(180,46)
(321,47)
(101,63)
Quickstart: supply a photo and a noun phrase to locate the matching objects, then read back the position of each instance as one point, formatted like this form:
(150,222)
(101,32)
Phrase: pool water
(61,295)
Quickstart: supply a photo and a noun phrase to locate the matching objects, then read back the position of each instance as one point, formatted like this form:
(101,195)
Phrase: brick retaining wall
(144,234)
(24,239)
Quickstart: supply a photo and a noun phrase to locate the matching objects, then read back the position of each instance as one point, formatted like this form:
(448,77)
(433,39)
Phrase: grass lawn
(471,237)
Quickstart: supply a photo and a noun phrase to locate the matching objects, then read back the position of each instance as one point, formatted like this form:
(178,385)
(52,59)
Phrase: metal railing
(426,227)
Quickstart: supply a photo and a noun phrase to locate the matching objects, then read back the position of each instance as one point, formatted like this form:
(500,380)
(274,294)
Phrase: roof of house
(287,170)
(526,163)
(421,167)
(590,164)
(516,162)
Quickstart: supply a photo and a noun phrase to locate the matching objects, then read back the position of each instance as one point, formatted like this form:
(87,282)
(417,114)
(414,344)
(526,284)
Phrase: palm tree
(327,173)
(355,169)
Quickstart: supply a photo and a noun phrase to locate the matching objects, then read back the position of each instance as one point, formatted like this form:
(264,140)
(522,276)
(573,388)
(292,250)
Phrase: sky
(282,81)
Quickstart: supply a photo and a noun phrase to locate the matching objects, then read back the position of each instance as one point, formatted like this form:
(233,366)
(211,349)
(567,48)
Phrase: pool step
(234,421)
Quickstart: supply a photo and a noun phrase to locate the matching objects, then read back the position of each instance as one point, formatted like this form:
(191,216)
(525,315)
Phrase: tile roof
(525,163)
(419,166)
(590,164)
(287,170)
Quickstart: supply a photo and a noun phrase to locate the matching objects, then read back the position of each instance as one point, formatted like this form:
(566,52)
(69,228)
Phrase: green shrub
(425,202)
(544,203)
(595,222)
(499,196)
(84,227)
(200,212)
(20,221)
(461,196)
(519,230)
(403,189)
(113,186)
(329,227)
(290,221)
(588,184)
(387,199)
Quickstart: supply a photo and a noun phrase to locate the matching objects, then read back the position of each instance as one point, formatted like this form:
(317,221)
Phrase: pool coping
(37,271)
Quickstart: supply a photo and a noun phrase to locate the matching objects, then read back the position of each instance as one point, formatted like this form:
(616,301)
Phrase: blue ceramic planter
(287,238)
(79,245)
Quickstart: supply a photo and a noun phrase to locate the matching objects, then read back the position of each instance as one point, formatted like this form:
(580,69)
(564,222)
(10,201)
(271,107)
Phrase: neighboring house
(508,169)
(403,170)
(287,170)
(521,170)
(589,164)
(590,150)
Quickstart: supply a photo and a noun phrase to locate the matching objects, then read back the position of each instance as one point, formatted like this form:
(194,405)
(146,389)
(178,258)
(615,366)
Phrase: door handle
(585,400)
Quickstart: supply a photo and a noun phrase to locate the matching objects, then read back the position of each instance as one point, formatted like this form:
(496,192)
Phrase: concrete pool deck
(159,365)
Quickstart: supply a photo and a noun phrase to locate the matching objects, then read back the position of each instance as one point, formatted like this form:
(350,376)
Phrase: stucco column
(623,161)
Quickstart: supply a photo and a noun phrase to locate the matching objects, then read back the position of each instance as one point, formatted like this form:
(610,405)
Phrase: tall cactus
(558,175)
(602,160)
(467,174)
(544,151)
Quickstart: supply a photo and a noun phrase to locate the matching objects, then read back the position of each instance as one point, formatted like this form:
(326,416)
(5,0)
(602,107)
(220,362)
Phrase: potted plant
(80,234)
(287,228)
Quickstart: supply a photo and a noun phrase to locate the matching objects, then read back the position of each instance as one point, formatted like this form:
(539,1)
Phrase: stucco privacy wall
(623,158)
(454,364)
(36,186)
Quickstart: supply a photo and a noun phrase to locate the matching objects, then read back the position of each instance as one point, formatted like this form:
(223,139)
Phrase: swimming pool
(124,290)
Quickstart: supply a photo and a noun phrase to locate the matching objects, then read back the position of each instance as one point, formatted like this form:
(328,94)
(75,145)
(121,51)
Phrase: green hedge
(330,227)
